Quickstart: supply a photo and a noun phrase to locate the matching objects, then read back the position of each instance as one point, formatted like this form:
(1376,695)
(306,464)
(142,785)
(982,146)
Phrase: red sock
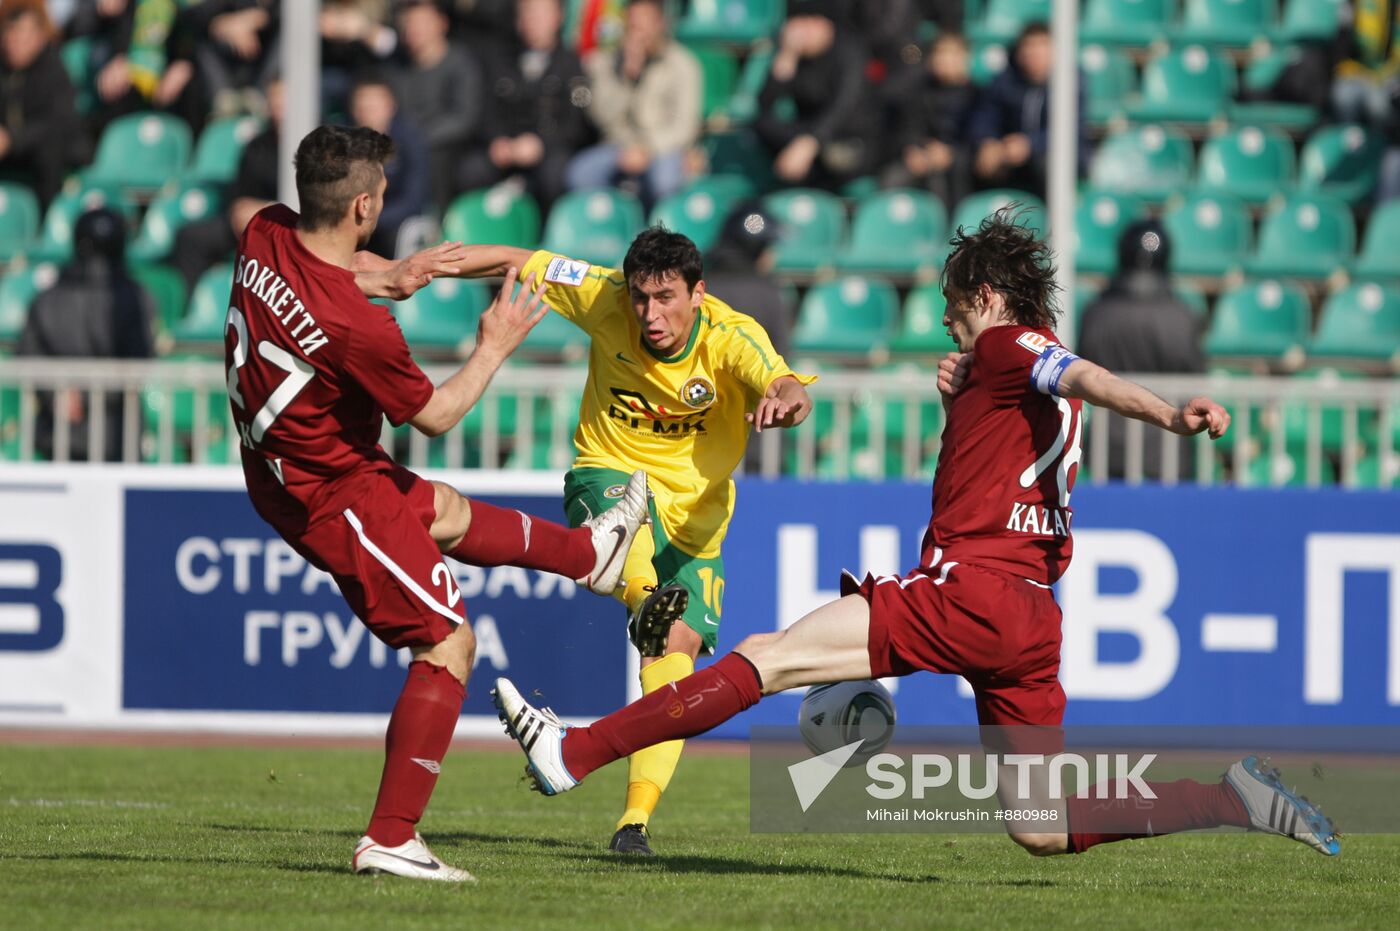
(1183,805)
(690,706)
(507,537)
(419,733)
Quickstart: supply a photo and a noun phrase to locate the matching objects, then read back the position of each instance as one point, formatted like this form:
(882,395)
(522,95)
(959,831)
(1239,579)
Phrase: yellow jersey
(681,417)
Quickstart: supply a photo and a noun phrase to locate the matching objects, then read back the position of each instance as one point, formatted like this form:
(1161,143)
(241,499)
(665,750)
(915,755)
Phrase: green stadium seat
(1109,79)
(971,210)
(989,59)
(720,76)
(812,226)
(1380,250)
(1125,22)
(1309,20)
(1189,84)
(1151,161)
(1289,470)
(443,314)
(173,208)
(19,218)
(1249,162)
(501,215)
(141,150)
(921,330)
(736,22)
(167,290)
(18,288)
(596,226)
(1099,220)
(555,335)
(699,211)
(1341,160)
(1235,23)
(1295,415)
(899,232)
(219,148)
(1266,319)
(743,104)
(1371,472)
(204,318)
(847,315)
(1259,76)
(55,243)
(1304,236)
(1209,233)
(1362,321)
(1003,19)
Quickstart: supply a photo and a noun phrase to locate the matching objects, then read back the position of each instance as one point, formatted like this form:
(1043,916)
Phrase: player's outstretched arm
(504,325)
(1100,387)
(377,276)
(785,404)
(488,261)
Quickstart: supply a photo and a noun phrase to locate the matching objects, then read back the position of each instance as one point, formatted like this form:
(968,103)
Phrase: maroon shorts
(370,532)
(999,632)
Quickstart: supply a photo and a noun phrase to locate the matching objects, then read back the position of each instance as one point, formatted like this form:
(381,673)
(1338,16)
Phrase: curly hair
(1005,254)
(334,165)
(657,252)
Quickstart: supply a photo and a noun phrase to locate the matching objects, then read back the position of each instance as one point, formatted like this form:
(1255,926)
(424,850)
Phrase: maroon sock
(507,537)
(420,731)
(1183,805)
(690,706)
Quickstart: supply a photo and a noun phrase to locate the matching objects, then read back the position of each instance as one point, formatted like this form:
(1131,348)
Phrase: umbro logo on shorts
(432,766)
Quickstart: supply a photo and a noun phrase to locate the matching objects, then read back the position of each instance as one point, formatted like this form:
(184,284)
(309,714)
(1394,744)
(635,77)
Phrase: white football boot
(1276,810)
(412,859)
(540,734)
(613,532)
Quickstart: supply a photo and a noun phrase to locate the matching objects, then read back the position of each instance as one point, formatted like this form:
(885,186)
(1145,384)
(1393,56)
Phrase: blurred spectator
(129,51)
(646,103)
(815,115)
(439,87)
(947,15)
(931,129)
(535,118)
(207,242)
(95,311)
(1367,85)
(1138,325)
(1010,126)
(372,105)
(355,35)
(889,29)
(232,52)
(481,23)
(39,126)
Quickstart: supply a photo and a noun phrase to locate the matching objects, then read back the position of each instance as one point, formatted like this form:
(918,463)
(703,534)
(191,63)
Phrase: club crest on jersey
(566,271)
(615,491)
(1035,342)
(698,392)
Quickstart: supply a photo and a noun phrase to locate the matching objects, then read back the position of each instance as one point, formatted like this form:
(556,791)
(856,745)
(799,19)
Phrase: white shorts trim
(398,571)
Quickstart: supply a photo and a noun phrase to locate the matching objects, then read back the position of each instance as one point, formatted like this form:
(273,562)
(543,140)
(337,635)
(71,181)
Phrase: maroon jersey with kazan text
(313,367)
(1009,459)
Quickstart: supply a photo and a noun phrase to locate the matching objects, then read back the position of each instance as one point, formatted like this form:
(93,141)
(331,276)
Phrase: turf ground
(260,837)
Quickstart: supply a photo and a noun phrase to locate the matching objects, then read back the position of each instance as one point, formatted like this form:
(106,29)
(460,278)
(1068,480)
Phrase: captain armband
(1050,367)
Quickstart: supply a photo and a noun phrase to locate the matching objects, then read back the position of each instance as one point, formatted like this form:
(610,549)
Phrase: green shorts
(588,492)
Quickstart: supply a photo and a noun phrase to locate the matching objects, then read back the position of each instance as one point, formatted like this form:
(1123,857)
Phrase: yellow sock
(649,771)
(638,571)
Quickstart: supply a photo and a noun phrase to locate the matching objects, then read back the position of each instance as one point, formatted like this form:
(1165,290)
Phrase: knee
(456,653)
(1041,845)
(451,516)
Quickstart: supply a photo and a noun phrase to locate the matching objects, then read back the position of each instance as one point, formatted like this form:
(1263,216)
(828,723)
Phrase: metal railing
(867,425)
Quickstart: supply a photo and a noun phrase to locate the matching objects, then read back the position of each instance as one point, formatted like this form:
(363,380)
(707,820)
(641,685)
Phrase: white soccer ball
(835,715)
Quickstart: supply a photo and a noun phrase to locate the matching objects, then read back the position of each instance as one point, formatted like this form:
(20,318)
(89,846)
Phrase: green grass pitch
(260,837)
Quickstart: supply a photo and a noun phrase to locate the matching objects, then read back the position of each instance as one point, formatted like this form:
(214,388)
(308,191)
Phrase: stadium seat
(1341,160)
(204,318)
(1297,416)
(1289,470)
(1372,472)
(167,290)
(1109,79)
(173,208)
(971,210)
(848,315)
(1259,76)
(18,288)
(141,150)
(501,215)
(219,148)
(698,211)
(720,74)
(1151,161)
(1125,22)
(443,314)
(921,330)
(55,242)
(899,232)
(989,59)
(743,103)
(1309,20)
(1304,236)
(1267,319)
(1235,23)
(736,22)
(19,218)
(596,226)
(1380,250)
(1189,84)
(1361,322)
(812,227)
(555,335)
(1209,233)
(1003,19)
(1249,162)
(1099,220)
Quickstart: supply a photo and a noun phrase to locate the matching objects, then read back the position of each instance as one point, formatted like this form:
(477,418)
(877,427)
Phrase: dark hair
(1032,29)
(1005,254)
(373,77)
(657,251)
(336,164)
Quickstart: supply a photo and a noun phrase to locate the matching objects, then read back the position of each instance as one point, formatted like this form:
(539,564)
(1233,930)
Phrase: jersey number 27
(299,374)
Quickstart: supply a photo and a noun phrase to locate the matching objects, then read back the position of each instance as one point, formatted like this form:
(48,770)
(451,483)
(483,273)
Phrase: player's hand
(952,372)
(511,316)
(781,406)
(1200,414)
(381,277)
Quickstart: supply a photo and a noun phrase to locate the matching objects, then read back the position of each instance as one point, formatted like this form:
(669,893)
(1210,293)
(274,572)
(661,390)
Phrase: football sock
(1182,805)
(507,537)
(420,731)
(650,769)
(681,709)
(636,590)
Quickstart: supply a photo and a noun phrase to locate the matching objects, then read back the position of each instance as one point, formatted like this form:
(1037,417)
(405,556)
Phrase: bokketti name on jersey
(286,307)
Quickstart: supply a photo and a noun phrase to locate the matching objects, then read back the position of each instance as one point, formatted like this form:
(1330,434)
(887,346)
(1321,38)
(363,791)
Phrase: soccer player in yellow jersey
(675,379)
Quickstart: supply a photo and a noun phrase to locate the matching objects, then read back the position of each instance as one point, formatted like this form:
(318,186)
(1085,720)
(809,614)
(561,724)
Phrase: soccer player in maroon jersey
(979,604)
(313,369)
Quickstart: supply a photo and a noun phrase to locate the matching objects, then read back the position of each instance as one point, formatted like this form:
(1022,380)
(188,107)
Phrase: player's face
(960,318)
(666,309)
